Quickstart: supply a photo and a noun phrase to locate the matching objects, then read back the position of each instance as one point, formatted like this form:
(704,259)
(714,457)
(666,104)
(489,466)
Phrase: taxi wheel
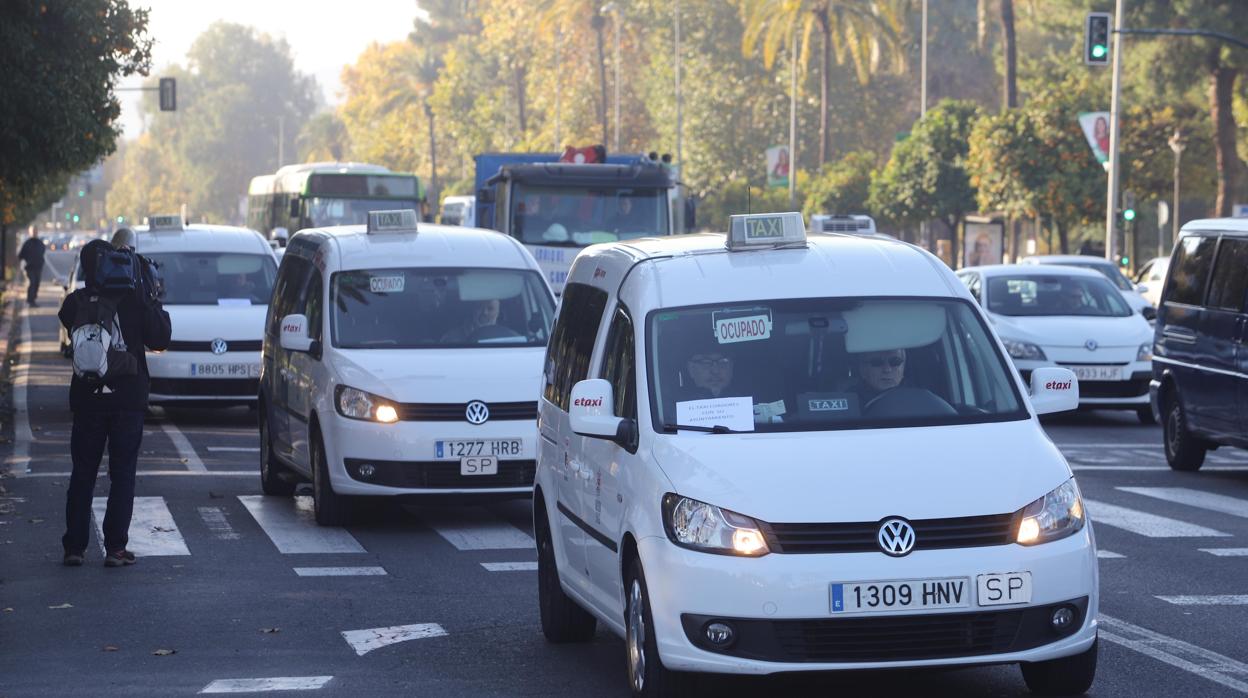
(331,509)
(1068,676)
(271,482)
(647,677)
(1145,415)
(562,620)
(1183,450)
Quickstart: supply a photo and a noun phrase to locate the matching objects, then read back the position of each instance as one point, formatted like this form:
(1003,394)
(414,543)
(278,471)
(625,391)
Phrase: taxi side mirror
(592,413)
(294,336)
(1054,390)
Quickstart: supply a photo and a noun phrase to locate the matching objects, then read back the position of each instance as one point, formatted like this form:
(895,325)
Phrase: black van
(1199,387)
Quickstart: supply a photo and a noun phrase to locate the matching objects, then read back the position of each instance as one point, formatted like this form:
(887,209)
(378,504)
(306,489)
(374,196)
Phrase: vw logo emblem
(896,537)
(1090,345)
(219,346)
(477,412)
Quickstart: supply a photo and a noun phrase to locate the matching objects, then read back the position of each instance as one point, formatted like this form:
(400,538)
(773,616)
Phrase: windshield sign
(213,278)
(580,216)
(1055,295)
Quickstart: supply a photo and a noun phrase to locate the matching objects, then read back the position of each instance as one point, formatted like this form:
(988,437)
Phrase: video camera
(124,269)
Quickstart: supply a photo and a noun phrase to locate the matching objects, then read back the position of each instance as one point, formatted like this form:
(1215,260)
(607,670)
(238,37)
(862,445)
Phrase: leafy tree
(323,138)
(843,187)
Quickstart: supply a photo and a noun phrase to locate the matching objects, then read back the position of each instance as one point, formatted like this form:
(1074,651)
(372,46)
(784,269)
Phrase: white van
(766,453)
(218,280)
(402,360)
(459,210)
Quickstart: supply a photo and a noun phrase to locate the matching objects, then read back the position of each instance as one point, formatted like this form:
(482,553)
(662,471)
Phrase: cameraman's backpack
(99,349)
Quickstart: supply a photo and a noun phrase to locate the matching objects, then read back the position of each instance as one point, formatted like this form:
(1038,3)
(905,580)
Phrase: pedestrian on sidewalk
(32,254)
(109,414)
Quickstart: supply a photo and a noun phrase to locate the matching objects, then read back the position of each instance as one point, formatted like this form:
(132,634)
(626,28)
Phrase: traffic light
(82,193)
(1126,261)
(1128,206)
(76,218)
(1096,38)
(168,94)
(121,219)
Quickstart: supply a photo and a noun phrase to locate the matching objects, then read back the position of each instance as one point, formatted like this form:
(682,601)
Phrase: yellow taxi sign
(397,221)
(166,222)
(765,230)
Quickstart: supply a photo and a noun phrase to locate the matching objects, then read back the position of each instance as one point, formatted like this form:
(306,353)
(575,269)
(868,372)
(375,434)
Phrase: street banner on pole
(1095,125)
(778,166)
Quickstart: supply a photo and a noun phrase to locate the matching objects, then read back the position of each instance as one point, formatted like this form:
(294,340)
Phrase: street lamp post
(1111,195)
(1177,143)
(680,124)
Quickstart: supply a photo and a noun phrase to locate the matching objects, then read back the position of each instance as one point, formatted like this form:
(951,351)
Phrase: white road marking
(215,521)
(1107,555)
(365,641)
(1145,524)
(141,473)
(1208,600)
(509,566)
(1226,552)
(185,450)
(1195,498)
(477,529)
(19,460)
(340,571)
(291,525)
(1197,660)
(1160,468)
(280,683)
(234,449)
(152,529)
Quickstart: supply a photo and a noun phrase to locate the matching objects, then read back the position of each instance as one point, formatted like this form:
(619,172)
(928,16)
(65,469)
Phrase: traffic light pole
(1111,196)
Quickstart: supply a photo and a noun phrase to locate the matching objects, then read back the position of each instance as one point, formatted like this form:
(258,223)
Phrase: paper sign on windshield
(386,284)
(736,413)
(742,329)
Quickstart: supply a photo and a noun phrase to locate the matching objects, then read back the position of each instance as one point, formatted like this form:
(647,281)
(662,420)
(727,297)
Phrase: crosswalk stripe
(1226,552)
(185,451)
(340,571)
(1107,555)
(291,524)
(216,522)
(1197,660)
(509,566)
(1208,600)
(477,529)
(365,641)
(1145,524)
(1195,498)
(152,529)
(279,683)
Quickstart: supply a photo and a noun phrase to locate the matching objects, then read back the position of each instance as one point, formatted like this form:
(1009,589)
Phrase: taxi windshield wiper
(717,429)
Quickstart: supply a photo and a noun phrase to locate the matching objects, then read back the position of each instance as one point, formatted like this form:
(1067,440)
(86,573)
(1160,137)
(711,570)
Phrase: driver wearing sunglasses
(879,371)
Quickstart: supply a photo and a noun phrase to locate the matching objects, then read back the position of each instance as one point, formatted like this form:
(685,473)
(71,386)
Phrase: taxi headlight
(357,404)
(1054,516)
(1023,350)
(1145,352)
(707,528)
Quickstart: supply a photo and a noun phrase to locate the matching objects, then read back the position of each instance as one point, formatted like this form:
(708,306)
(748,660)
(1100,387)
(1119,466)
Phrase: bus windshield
(324,211)
(581,216)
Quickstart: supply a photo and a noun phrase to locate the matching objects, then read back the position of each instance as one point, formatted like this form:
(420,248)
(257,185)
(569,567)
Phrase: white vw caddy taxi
(767,453)
(402,361)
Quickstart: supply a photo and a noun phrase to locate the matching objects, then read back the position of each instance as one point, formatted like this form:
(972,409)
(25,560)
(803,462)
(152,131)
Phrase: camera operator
(110,412)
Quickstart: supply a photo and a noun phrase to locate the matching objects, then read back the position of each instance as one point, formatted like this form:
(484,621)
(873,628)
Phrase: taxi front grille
(861,536)
(205,387)
(456,411)
(441,474)
(232,345)
(1135,387)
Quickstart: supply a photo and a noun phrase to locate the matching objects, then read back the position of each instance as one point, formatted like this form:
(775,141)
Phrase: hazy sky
(324,35)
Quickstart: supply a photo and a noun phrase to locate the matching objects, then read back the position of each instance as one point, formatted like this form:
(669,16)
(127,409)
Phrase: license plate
(1003,589)
(900,595)
(225,370)
(497,448)
(478,465)
(1097,373)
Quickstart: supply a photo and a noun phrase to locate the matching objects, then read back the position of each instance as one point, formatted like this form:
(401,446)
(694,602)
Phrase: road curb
(12,305)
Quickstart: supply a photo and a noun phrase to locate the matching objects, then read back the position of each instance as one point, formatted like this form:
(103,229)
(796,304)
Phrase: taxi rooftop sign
(169,222)
(757,230)
(398,221)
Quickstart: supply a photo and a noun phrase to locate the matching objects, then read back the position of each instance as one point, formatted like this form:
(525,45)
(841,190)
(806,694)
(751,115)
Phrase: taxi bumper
(779,606)
(204,377)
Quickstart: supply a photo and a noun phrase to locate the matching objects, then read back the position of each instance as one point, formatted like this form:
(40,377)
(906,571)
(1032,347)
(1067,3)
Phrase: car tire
(329,507)
(1145,415)
(563,621)
(1183,450)
(272,472)
(1068,676)
(647,677)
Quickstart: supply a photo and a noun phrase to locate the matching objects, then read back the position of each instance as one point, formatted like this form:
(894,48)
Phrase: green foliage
(843,187)
(739,196)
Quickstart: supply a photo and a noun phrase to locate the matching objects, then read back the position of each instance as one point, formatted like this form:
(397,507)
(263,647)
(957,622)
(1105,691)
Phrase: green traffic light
(82,192)
(1099,51)
(121,219)
(1128,214)
(1126,261)
(75,218)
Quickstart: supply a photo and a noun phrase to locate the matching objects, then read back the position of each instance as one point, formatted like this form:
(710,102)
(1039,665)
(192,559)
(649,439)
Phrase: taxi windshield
(826,363)
(1056,294)
(216,278)
(416,308)
(334,211)
(581,216)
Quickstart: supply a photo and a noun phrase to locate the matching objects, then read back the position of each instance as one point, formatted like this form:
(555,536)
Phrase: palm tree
(1011,59)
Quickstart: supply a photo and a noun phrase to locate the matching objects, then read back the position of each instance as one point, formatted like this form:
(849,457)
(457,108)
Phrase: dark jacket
(142,325)
(32,253)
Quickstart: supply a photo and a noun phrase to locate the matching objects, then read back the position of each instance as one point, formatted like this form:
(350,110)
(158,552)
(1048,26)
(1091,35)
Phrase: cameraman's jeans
(123,434)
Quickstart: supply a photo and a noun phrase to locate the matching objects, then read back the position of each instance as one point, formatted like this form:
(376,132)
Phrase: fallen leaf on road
(9,609)
(110,648)
(214,495)
(64,605)
(160,529)
(185,460)
(164,653)
(270,630)
(36,520)
(36,428)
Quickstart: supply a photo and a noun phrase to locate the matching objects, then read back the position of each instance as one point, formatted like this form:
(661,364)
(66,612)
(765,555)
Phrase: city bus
(316,195)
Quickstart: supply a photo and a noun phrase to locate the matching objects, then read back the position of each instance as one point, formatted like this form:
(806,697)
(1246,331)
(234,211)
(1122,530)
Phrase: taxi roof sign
(167,222)
(757,230)
(397,221)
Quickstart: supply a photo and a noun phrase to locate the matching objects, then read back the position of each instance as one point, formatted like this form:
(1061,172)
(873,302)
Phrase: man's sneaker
(119,558)
(72,559)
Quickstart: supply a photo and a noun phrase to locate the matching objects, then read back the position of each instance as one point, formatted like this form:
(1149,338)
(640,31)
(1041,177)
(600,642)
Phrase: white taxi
(217,283)
(766,453)
(402,361)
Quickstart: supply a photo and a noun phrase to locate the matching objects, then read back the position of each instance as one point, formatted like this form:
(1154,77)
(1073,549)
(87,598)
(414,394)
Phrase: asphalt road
(233,585)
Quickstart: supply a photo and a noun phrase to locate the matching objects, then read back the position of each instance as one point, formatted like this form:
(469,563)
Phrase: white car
(1133,296)
(402,360)
(768,454)
(1073,318)
(218,280)
(1151,278)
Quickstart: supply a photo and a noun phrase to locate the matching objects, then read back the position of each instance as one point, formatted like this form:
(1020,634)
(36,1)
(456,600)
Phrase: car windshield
(1055,294)
(826,363)
(334,211)
(417,308)
(1106,269)
(216,278)
(581,216)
